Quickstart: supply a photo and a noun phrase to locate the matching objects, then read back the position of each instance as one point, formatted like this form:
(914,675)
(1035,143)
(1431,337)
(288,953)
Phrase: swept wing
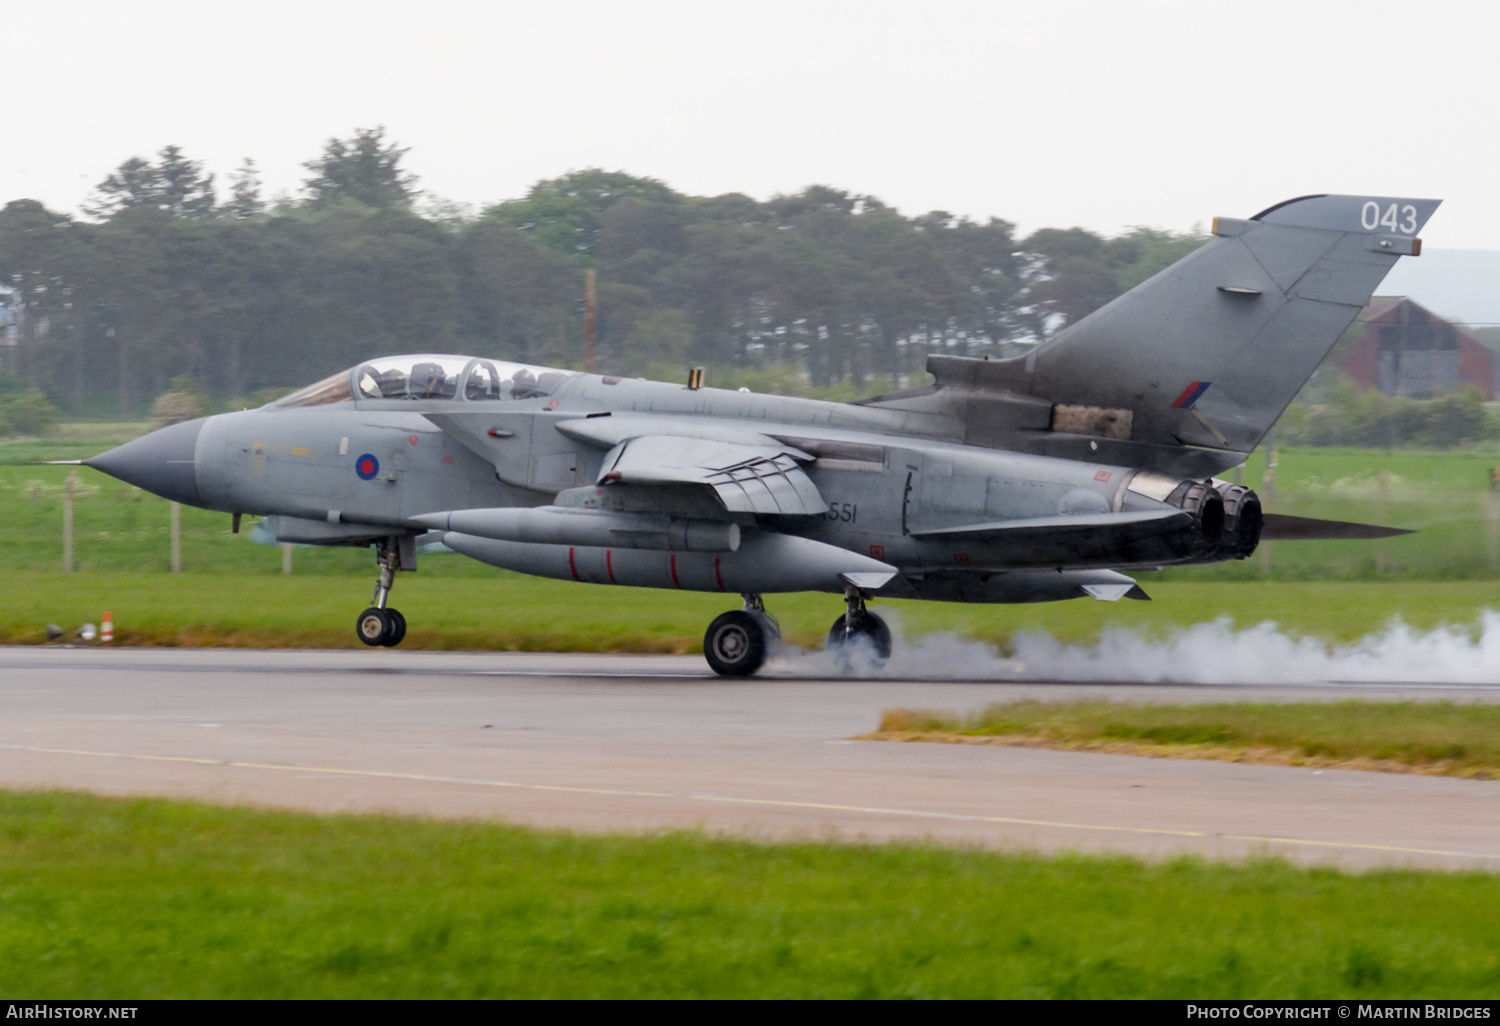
(745,478)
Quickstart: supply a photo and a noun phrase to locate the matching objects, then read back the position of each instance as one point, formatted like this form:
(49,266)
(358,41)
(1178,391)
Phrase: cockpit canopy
(427,376)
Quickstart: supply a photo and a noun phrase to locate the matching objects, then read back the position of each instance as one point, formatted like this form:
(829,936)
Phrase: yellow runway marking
(729,800)
(336,771)
(974,817)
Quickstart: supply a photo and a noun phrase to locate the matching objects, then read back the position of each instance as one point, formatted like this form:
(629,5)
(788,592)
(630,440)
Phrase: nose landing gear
(381,625)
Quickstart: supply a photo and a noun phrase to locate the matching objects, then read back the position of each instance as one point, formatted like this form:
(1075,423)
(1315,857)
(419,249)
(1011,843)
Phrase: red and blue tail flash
(1190,395)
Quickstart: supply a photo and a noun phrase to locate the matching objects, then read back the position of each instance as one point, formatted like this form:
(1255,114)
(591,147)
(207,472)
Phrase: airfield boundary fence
(76,519)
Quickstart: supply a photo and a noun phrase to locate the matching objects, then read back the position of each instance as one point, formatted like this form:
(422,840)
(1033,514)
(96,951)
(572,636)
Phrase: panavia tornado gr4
(1034,479)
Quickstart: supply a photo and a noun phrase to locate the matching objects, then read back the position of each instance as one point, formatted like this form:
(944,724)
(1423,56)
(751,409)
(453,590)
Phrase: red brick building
(1402,348)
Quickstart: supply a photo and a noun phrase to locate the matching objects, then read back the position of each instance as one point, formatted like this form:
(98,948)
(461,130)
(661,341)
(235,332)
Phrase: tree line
(1332,410)
(165,275)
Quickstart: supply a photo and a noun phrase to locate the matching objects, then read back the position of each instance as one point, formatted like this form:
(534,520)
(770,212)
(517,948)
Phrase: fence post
(68,486)
(1492,518)
(176,537)
(286,557)
(1268,489)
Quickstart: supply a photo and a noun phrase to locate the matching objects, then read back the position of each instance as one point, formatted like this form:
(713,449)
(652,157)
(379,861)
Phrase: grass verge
(1436,738)
(463,605)
(164,899)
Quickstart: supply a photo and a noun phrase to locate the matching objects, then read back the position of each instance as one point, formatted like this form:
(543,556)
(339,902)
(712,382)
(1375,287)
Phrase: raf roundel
(367,466)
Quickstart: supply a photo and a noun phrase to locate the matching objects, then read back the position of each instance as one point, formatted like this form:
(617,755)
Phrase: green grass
(1444,738)
(1443,496)
(117,527)
(492,610)
(1356,473)
(159,899)
(69,442)
(496,610)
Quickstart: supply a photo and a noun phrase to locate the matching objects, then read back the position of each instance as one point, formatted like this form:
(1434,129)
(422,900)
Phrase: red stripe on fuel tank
(609,565)
(573,566)
(674,571)
(718,576)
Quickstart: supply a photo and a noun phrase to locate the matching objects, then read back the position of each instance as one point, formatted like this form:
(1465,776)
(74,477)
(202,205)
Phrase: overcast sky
(1104,115)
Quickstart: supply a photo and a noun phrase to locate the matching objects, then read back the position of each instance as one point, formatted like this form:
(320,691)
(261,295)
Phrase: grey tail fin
(1210,351)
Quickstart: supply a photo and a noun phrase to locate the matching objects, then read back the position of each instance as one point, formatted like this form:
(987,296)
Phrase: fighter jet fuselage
(1035,479)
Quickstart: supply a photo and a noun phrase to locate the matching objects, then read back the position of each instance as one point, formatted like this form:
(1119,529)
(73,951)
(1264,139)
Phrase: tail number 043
(1404,220)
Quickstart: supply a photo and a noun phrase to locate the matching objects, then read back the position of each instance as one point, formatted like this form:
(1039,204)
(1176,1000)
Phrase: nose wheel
(380,625)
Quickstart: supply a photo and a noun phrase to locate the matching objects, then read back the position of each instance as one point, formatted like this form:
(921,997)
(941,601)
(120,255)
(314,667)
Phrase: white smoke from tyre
(1205,653)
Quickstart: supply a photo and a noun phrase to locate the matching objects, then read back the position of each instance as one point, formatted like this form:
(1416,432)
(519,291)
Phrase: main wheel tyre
(373,626)
(398,628)
(869,641)
(735,644)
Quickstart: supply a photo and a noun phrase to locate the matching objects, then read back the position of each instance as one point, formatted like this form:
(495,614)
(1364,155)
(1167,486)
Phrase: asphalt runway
(597,742)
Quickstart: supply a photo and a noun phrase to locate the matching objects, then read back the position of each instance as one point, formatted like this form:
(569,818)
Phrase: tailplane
(1210,351)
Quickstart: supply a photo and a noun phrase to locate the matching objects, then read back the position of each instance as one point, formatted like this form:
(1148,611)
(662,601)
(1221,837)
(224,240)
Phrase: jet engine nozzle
(1202,500)
(1243,521)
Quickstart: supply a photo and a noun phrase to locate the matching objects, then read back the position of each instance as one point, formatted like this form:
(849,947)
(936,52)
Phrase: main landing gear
(859,636)
(380,624)
(736,642)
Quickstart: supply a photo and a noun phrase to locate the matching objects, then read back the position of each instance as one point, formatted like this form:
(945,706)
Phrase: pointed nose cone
(161,462)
